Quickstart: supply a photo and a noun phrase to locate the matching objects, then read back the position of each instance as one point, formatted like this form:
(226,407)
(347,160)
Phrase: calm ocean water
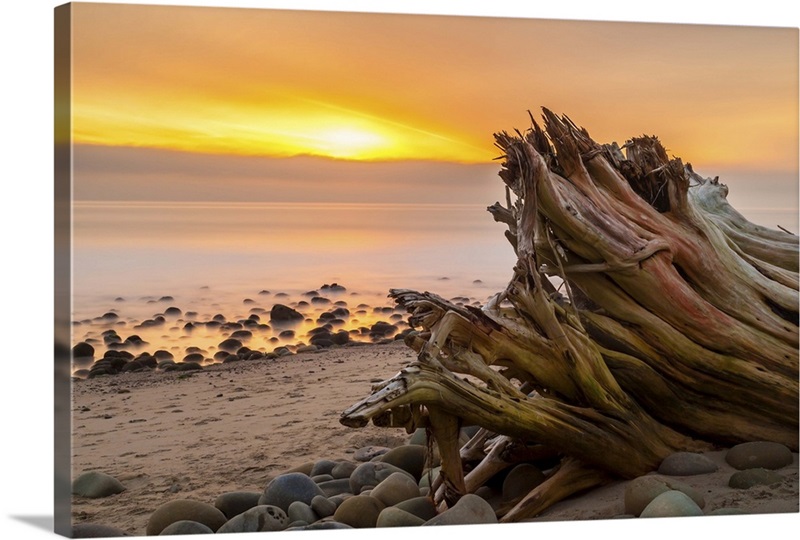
(136,259)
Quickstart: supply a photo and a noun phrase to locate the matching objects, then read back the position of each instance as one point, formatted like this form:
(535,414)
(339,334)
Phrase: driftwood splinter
(645,316)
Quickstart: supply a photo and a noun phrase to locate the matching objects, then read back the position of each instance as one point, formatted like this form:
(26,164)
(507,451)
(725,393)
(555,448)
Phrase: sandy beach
(235,426)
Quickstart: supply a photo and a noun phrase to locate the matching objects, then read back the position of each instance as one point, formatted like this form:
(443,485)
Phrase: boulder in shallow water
(282,313)
(82,350)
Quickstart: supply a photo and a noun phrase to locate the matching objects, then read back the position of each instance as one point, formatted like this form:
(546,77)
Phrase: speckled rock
(759,455)
(234,503)
(398,487)
(469,510)
(283,490)
(371,474)
(359,512)
(409,457)
(184,509)
(94,530)
(186,527)
(395,517)
(754,477)
(671,503)
(261,518)
(686,464)
(95,484)
(521,480)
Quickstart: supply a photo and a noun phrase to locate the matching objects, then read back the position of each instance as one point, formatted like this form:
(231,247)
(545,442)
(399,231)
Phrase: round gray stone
(398,487)
(469,510)
(322,506)
(371,474)
(422,507)
(335,487)
(324,466)
(285,489)
(759,455)
(184,509)
(300,511)
(186,527)
(368,453)
(262,518)
(94,484)
(410,458)
(395,517)
(521,480)
(343,469)
(671,503)
(234,503)
(686,464)
(754,477)
(359,512)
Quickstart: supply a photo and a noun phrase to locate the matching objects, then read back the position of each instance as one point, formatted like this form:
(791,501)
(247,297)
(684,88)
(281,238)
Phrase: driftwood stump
(645,316)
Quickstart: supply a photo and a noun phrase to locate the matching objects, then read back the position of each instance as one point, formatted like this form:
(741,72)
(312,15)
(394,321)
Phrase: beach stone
(422,507)
(343,469)
(342,337)
(324,466)
(521,480)
(95,484)
(641,491)
(300,511)
(426,479)
(184,509)
(188,366)
(94,530)
(287,488)
(82,350)
(372,473)
(335,487)
(671,503)
(230,345)
(754,477)
(260,518)
(469,510)
(395,517)
(282,313)
(322,506)
(368,453)
(304,468)
(398,487)
(235,502)
(359,512)
(759,455)
(410,458)
(322,478)
(326,525)
(419,437)
(686,464)
(186,527)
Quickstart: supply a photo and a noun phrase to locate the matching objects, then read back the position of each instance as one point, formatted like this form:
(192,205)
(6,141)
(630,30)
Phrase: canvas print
(331,270)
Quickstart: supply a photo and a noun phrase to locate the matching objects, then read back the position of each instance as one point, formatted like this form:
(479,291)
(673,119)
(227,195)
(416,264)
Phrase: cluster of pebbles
(383,487)
(239,339)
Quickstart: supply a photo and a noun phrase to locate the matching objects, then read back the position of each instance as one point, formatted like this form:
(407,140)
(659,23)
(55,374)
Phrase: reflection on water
(188,275)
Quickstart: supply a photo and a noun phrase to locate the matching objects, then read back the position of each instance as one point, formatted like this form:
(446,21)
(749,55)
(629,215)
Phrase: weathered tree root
(677,327)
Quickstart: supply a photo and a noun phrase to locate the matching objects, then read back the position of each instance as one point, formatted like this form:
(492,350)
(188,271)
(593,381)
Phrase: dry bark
(674,326)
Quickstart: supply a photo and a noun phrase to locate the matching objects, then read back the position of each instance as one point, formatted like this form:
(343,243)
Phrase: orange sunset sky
(220,91)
